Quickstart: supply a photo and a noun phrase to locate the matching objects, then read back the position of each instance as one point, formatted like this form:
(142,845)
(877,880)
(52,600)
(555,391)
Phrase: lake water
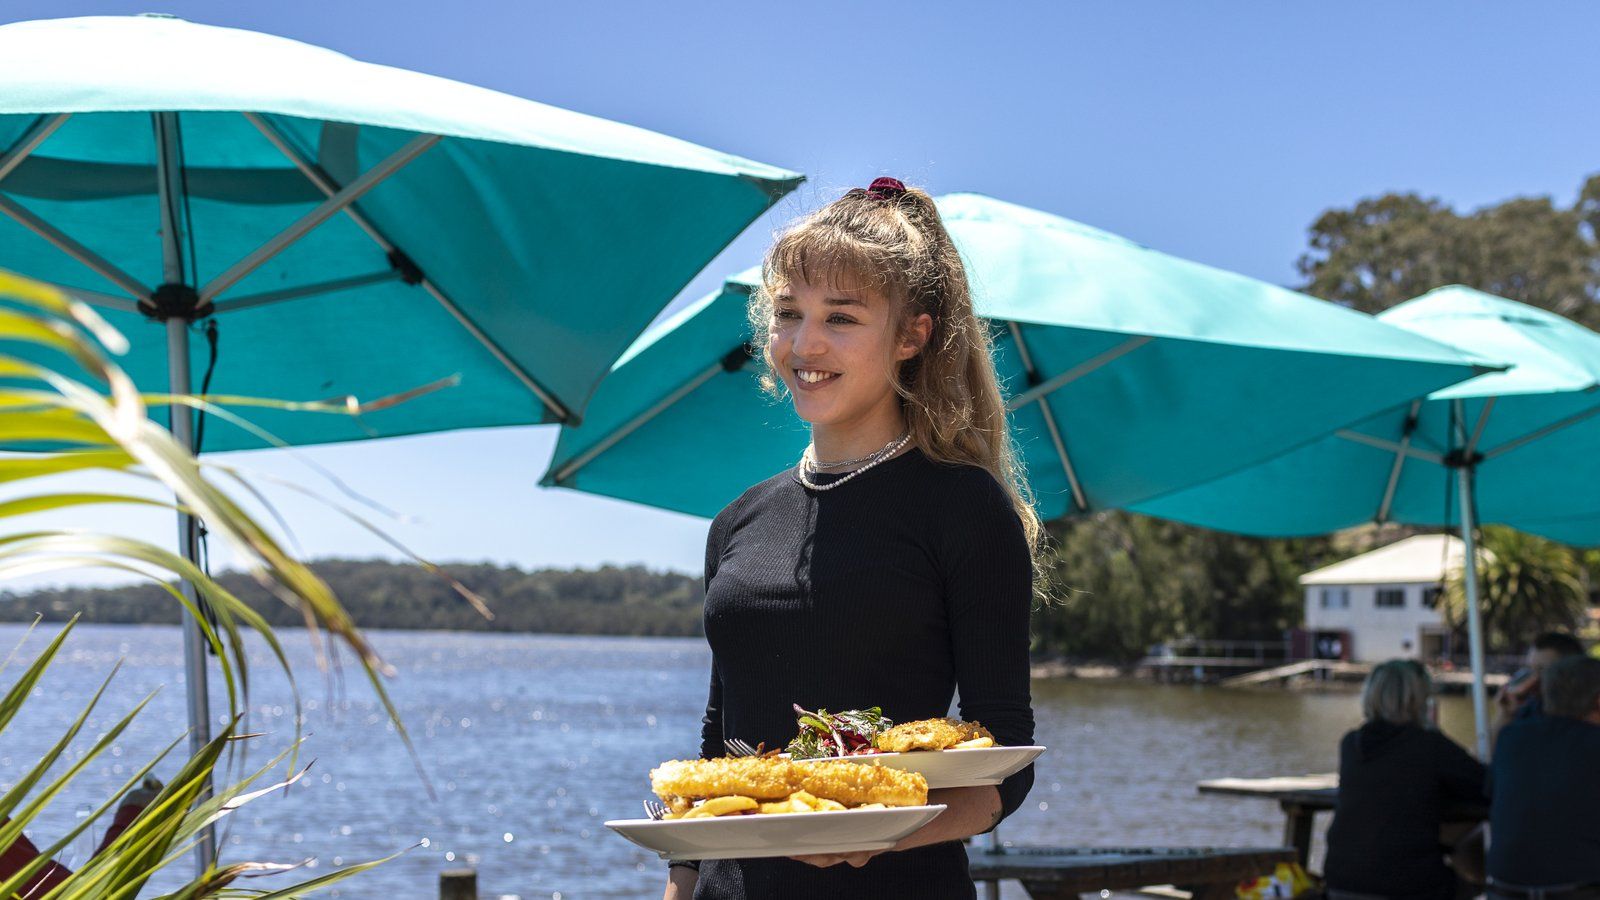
(532,741)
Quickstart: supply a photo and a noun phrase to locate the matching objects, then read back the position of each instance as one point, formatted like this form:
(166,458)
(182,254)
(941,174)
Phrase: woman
(1397,776)
(893,566)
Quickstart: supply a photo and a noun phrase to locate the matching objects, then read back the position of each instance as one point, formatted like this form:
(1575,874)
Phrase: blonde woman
(894,565)
(1397,776)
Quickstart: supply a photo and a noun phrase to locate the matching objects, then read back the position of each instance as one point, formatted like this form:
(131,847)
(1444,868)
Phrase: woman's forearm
(971,810)
(680,883)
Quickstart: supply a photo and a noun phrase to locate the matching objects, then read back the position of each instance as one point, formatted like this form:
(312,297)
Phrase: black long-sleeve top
(895,590)
(1544,787)
(1395,783)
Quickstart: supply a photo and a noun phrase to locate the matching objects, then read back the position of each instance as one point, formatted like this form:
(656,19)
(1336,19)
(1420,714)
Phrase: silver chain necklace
(873,459)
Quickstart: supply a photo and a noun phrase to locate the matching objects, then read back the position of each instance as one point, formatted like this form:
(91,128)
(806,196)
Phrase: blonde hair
(1397,691)
(894,242)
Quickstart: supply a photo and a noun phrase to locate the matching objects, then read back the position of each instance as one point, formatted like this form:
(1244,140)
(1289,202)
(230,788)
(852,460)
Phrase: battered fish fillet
(758,777)
(853,784)
(930,734)
(772,779)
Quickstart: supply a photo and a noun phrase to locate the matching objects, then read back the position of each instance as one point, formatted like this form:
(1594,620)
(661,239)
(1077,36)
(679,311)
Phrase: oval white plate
(952,768)
(780,834)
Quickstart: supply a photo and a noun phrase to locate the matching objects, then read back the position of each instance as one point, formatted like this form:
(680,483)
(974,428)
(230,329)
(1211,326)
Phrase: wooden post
(458,884)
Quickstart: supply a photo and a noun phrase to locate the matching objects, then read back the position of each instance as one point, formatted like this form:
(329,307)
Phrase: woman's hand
(972,810)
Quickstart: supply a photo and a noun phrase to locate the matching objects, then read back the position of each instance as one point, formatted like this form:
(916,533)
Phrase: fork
(655,809)
(737,747)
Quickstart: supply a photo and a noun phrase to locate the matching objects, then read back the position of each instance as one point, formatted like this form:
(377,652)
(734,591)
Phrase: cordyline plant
(103,424)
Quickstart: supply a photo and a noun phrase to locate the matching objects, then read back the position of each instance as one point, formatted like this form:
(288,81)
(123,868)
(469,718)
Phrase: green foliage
(1124,582)
(630,600)
(1385,250)
(1526,585)
(102,423)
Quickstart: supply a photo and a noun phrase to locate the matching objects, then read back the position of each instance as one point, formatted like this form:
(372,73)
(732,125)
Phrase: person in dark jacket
(1397,776)
(1544,804)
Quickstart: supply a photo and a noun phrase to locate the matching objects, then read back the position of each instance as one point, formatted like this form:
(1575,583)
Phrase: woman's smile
(814,379)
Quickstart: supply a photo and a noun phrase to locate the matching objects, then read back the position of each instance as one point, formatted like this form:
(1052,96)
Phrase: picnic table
(1303,796)
(1063,873)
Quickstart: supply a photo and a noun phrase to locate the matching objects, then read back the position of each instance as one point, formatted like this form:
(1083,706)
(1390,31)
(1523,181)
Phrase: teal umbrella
(1519,447)
(1130,373)
(338,228)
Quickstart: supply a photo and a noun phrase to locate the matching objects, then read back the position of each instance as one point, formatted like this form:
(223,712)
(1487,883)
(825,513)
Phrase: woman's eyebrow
(845,301)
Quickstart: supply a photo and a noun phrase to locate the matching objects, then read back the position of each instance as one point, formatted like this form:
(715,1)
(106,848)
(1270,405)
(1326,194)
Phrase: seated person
(1397,776)
(21,852)
(1520,696)
(1544,792)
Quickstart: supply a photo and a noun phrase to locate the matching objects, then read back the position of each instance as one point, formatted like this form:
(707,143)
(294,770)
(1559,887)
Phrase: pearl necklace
(883,453)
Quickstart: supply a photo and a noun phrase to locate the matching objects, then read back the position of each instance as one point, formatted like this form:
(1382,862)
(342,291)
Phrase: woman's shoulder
(961,486)
(756,496)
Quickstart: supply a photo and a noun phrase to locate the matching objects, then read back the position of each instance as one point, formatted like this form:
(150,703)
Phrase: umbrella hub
(176,301)
(1461,459)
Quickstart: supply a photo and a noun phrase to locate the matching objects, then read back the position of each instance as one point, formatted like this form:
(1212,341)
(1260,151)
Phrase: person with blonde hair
(1397,777)
(894,565)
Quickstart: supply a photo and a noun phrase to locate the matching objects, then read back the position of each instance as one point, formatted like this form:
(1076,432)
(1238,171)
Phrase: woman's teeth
(810,377)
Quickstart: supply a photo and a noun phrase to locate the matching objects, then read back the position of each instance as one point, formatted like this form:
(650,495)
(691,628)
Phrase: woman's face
(837,351)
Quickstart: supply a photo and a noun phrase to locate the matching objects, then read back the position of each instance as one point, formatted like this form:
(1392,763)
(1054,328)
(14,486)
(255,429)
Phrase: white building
(1383,604)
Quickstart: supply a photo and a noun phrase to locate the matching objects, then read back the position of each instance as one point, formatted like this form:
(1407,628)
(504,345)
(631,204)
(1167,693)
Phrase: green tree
(1385,250)
(1526,585)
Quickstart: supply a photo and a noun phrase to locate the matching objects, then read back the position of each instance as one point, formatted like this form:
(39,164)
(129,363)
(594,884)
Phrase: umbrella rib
(637,422)
(329,187)
(1049,418)
(36,134)
(308,290)
(1513,444)
(1399,460)
(68,245)
(1390,446)
(347,195)
(1058,382)
(96,298)
(1477,430)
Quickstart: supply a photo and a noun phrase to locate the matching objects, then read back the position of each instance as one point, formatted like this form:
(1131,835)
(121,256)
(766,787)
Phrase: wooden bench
(1059,873)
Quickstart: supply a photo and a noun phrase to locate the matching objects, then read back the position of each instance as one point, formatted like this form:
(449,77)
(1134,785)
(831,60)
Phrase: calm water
(531,742)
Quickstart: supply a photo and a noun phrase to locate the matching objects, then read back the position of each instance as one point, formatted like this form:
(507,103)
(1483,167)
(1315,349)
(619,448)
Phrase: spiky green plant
(102,423)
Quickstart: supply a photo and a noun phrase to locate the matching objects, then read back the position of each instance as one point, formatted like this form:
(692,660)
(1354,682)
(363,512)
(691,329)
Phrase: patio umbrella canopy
(1130,373)
(353,229)
(342,229)
(1519,447)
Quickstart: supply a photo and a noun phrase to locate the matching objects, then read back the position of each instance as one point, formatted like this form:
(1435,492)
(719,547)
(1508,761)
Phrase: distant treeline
(631,600)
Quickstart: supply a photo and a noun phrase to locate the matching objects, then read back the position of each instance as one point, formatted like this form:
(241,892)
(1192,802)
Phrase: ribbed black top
(896,589)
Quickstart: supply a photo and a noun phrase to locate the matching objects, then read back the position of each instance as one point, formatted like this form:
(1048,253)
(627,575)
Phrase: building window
(1391,598)
(1335,598)
(1430,597)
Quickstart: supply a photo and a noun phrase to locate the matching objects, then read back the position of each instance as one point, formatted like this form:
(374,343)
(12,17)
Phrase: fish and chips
(766,785)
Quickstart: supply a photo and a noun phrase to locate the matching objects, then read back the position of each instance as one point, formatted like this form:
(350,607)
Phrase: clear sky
(1213,130)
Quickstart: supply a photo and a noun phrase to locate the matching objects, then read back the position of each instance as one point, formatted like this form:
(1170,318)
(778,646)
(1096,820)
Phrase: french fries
(973,744)
(720,806)
(797,802)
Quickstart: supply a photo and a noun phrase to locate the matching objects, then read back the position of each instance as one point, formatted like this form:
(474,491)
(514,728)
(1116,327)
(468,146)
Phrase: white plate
(951,768)
(779,834)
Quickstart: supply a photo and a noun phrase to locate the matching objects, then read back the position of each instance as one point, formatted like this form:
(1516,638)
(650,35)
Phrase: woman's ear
(915,337)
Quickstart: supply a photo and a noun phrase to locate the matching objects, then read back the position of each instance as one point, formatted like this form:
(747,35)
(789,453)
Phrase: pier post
(458,884)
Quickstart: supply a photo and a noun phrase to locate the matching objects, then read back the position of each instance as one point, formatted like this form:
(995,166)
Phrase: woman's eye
(837,319)
(785,314)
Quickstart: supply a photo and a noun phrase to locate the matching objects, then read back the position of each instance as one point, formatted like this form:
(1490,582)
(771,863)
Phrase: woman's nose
(810,341)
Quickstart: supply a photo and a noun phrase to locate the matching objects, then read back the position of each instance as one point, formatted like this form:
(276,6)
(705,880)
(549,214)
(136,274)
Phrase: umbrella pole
(181,422)
(1480,700)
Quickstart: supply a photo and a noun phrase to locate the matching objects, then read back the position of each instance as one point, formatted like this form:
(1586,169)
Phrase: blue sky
(1213,130)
